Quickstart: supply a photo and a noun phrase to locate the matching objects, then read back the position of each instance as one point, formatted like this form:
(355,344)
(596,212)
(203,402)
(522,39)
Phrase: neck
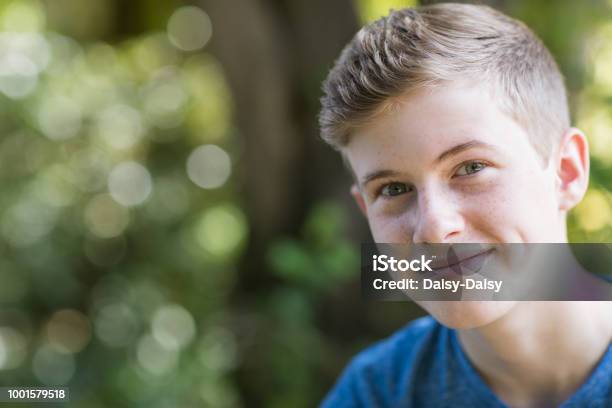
(540,352)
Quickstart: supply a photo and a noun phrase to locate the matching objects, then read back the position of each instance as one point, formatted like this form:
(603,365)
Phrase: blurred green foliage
(318,259)
(122,229)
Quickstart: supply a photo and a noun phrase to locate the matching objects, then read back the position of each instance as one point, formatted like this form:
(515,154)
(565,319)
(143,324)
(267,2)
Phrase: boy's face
(445,165)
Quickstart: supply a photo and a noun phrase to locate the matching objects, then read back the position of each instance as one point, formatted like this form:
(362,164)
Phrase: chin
(467,314)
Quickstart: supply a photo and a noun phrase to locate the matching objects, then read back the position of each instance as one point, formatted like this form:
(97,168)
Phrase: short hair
(432,45)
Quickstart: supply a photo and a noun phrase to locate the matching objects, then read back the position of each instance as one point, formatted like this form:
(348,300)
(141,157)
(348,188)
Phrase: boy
(454,121)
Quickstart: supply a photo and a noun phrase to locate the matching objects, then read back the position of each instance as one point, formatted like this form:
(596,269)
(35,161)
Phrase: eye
(470,167)
(394,189)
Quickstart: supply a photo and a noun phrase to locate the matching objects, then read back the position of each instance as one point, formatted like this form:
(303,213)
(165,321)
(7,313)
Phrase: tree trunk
(275,53)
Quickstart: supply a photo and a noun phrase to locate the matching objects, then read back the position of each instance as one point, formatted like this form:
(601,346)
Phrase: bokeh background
(172,231)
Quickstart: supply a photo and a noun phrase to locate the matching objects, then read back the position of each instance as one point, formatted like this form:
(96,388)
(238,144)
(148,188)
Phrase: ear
(356,193)
(573,169)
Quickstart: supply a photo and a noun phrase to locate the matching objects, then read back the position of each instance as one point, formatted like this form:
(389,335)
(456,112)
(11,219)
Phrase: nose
(438,218)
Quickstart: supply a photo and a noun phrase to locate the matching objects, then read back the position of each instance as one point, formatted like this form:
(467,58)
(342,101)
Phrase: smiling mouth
(461,266)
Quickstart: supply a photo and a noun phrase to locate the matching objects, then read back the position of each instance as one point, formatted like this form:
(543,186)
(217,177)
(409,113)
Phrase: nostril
(439,229)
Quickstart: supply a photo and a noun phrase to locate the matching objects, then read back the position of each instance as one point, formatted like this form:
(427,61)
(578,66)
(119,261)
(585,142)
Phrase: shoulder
(381,373)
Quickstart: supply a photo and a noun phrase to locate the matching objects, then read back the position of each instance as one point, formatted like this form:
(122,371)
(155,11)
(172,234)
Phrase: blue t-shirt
(423,365)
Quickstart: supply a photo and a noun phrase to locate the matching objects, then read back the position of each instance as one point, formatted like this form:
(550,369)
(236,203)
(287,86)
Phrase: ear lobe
(356,193)
(573,169)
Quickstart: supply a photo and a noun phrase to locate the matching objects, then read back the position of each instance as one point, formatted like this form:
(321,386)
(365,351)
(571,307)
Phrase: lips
(463,263)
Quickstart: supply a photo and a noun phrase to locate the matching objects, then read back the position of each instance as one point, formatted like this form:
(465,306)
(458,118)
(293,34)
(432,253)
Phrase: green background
(172,231)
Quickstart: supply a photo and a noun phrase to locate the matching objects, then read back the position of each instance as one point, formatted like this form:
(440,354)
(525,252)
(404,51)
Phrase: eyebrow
(453,151)
(378,174)
(460,148)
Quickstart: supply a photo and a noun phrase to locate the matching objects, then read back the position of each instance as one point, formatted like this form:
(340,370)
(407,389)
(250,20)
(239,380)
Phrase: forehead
(415,128)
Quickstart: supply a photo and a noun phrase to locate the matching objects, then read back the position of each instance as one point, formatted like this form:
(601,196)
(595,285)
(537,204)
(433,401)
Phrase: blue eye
(394,189)
(470,167)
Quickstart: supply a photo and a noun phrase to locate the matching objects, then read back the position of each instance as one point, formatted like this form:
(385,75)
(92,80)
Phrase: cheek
(388,229)
(492,205)
(514,208)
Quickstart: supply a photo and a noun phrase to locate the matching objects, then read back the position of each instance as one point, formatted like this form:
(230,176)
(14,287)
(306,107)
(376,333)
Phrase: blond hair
(432,45)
